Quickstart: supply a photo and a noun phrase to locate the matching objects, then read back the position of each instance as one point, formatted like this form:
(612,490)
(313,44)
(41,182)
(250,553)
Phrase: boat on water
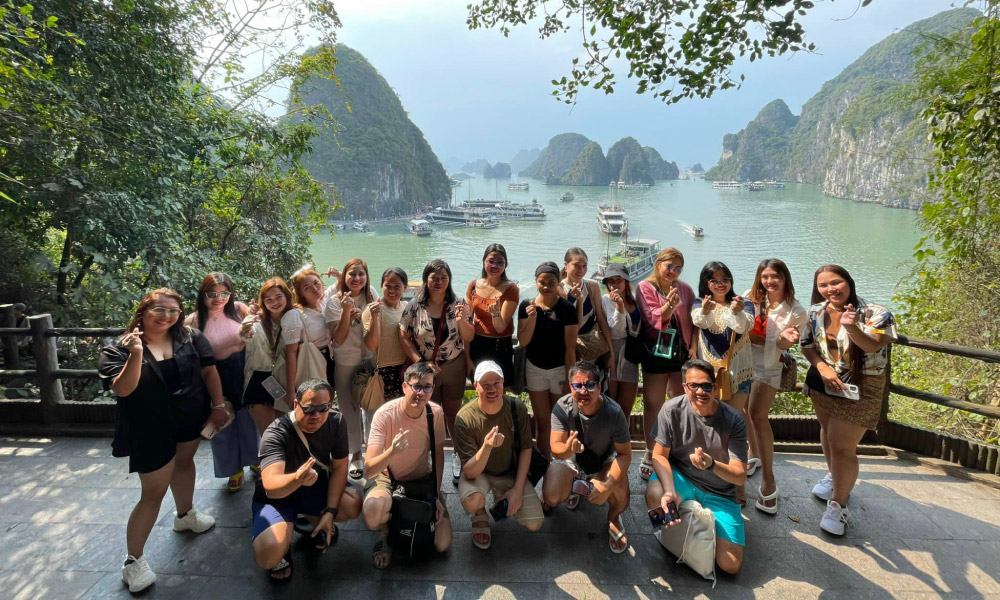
(518,187)
(638,255)
(621,185)
(697,232)
(419,227)
(727,185)
(361,226)
(338,227)
(567,197)
(463,217)
(611,219)
(772,184)
(756,186)
(507,210)
(454,182)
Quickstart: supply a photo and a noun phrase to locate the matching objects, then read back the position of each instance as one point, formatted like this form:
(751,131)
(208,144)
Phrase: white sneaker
(194,521)
(824,488)
(835,518)
(456,468)
(137,575)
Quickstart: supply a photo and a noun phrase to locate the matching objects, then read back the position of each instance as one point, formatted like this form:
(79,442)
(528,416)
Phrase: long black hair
(706,273)
(855,351)
(211,280)
(496,249)
(433,267)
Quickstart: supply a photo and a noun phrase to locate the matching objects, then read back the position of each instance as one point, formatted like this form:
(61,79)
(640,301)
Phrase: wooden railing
(48,375)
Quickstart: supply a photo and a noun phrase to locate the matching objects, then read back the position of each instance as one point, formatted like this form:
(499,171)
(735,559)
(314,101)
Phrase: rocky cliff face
(628,162)
(659,168)
(590,167)
(378,161)
(557,157)
(859,137)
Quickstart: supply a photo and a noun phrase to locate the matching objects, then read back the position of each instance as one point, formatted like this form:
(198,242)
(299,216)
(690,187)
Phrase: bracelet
(219,407)
(332,510)
(713,462)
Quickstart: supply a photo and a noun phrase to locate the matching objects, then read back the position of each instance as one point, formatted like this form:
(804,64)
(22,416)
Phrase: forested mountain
(572,159)
(498,171)
(475,166)
(557,157)
(589,168)
(659,168)
(522,159)
(379,161)
(859,137)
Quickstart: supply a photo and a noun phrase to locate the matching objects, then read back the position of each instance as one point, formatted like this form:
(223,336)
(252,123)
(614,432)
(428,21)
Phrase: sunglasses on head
(315,408)
(579,387)
(705,387)
(223,295)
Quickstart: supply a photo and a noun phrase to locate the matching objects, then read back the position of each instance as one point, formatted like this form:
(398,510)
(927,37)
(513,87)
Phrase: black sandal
(381,548)
(286,563)
(333,540)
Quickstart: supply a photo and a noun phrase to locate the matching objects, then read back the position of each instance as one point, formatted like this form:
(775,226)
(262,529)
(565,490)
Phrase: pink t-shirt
(224,335)
(414,462)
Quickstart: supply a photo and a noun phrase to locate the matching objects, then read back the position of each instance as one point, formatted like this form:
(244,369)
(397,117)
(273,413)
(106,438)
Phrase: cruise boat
(463,217)
(756,186)
(518,187)
(361,226)
(772,184)
(454,182)
(697,232)
(338,226)
(419,227)
(638,256)
(509,211)
(611,219)
(726,185)
(567,197)
(621,185)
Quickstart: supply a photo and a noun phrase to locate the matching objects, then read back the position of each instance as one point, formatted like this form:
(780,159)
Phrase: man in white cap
(485,442)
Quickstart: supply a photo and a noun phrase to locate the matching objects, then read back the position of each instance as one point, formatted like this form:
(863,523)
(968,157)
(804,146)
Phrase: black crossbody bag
(414,504)
(539,464)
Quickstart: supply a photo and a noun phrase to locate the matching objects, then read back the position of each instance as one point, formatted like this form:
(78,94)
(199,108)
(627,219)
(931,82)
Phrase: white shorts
(545,380)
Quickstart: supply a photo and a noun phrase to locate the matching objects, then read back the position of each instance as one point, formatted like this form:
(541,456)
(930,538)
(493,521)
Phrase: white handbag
(311,364)
(692,541)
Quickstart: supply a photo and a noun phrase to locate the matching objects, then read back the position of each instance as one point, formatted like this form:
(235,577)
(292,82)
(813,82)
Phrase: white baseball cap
(487,366)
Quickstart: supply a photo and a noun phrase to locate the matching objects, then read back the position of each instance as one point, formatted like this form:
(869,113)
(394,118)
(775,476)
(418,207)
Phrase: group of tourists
(340,398)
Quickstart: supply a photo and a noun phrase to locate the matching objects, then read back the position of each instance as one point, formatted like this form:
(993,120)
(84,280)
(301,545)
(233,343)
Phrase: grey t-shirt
(723,435)
(599,432)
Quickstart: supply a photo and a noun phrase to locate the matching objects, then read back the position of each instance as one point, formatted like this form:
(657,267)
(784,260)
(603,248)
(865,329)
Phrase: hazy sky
(476,94)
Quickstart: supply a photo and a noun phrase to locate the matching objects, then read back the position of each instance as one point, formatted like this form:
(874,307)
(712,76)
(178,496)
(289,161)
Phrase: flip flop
(481,525)
(381,548)
(573,502)
(752,466)
(357,469)
(761,499)
(615,537)
(286,563)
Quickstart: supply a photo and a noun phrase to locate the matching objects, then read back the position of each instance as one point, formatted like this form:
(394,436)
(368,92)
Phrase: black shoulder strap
(517,428)
(430,432)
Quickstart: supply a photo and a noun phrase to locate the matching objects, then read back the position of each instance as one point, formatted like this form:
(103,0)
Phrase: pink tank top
(224,335)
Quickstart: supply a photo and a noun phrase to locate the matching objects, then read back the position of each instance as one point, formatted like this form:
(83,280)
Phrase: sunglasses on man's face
(315,408)
(705,387)
(214,295)
(425,388)
(580,387)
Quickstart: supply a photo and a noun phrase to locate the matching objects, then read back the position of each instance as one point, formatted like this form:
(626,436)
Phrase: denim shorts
(728,518)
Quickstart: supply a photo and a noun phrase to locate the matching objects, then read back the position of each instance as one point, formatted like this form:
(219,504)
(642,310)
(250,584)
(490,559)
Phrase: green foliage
(127,172)
(557,157)
(589,168)
(954,296)
(675,49)
(659,168)
(500,170)
(628,162)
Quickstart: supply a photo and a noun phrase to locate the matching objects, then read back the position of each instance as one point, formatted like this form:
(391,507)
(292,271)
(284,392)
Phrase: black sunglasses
(705,387)
(315,408)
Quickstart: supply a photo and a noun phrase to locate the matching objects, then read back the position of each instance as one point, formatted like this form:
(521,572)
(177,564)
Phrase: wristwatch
(332,510)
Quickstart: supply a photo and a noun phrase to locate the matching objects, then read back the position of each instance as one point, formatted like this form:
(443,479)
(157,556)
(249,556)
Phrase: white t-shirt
(315,324)
(353,350)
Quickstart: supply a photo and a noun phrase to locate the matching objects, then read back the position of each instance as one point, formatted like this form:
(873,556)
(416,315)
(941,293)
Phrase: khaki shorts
(531,506)
(542,380)
(382,483)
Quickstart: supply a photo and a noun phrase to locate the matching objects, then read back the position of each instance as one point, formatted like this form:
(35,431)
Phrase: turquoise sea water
(797,224)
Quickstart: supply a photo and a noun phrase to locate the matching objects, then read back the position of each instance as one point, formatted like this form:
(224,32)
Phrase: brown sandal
(481,526)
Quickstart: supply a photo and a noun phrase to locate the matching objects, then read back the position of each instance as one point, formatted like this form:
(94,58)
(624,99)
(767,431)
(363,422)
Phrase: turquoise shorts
(728,518)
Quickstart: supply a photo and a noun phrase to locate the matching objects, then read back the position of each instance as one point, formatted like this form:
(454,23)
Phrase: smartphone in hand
(675,515)
(657,517)
(499,510)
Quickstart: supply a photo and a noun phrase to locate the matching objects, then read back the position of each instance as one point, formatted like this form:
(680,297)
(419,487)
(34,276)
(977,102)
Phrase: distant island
(860,137)
(573,159)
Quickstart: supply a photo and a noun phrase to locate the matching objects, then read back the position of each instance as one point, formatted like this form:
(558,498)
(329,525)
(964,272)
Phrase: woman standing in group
(665,304)
(625,321)
(312,322)
(380,321)
(262,333)
(168,389)
(547,327)
(589,308)
(723,319)
(778,322)
(353,294)
(218,317)
(493,300)
(436,326)
(845,345)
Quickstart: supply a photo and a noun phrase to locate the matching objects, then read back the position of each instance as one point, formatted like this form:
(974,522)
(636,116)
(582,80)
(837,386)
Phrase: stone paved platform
(917,533)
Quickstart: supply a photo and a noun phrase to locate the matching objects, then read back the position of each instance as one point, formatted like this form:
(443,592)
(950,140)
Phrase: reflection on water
(797,224)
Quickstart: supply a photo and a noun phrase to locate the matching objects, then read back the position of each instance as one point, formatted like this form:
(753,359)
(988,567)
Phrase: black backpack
(414,504)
